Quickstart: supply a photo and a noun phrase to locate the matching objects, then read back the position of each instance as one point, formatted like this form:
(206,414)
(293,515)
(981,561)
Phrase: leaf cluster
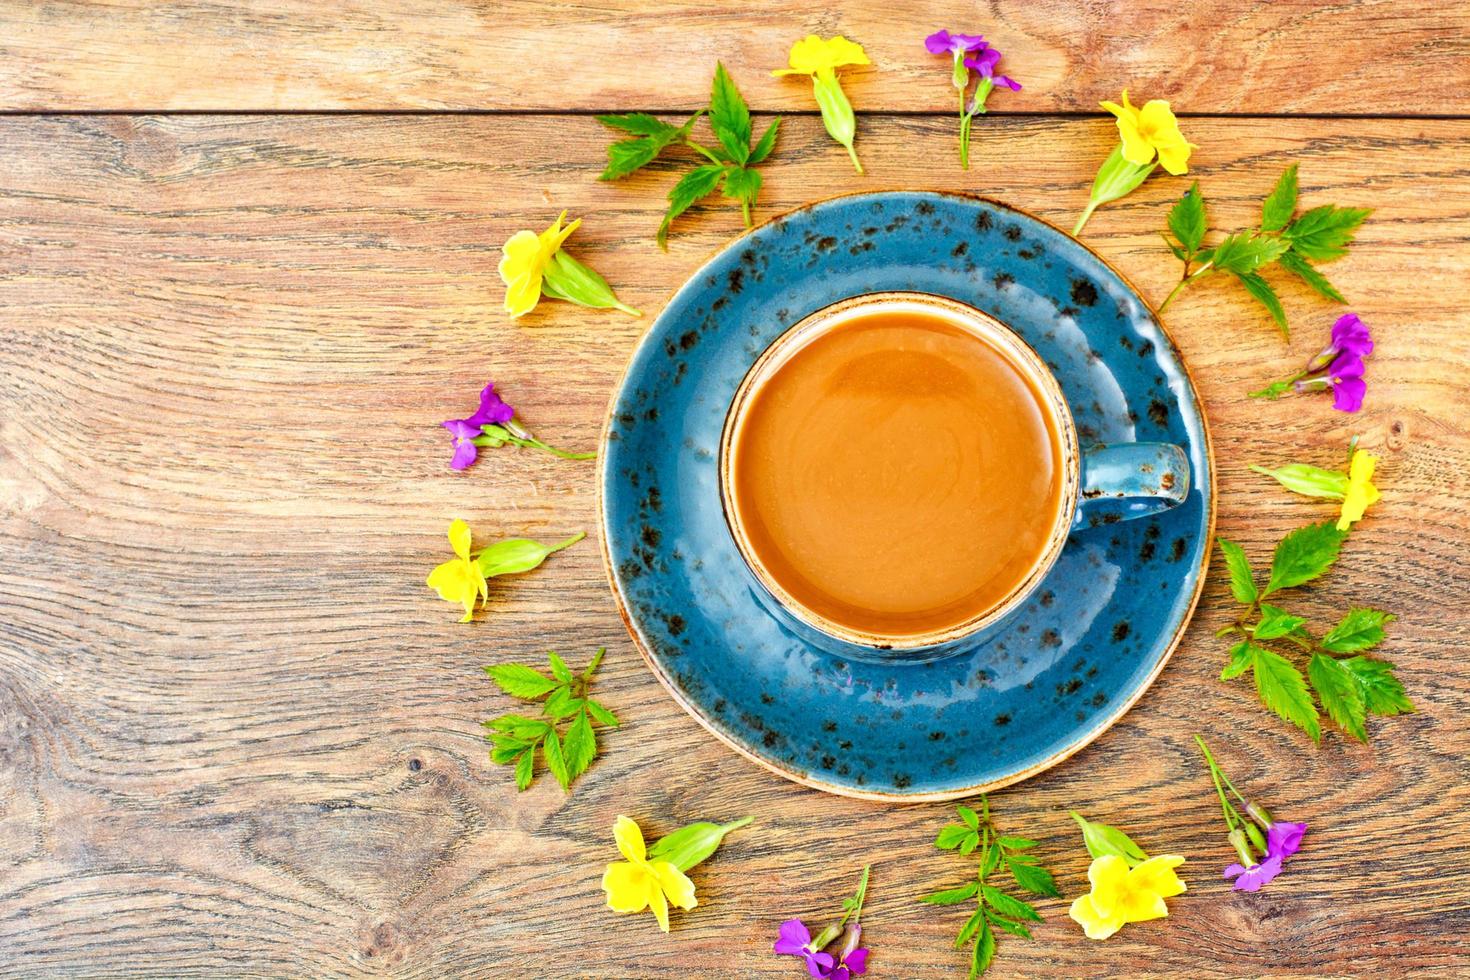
(1283,237)
(995,910)
(1349,686)
(515,738)
(730,164)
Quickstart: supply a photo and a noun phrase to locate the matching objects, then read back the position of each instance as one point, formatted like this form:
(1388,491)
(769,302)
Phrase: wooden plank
(1251,56)
(238,735)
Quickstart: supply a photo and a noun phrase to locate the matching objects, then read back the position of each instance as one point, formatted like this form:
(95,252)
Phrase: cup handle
(1130,479)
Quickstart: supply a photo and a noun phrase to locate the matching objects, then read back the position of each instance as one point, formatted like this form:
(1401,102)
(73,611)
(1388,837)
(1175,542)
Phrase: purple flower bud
(1258,839)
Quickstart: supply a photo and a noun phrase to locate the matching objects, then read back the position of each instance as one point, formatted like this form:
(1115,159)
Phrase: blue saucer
(1068,664)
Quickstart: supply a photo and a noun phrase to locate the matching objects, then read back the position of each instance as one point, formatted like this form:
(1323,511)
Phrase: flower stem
(856,912)
(853,153)
(568,542)
(964,134)
(1087,213)
(534,443)
(1232,816)
(1196,274)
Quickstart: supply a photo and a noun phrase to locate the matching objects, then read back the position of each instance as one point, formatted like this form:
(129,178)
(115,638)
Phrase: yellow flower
(813,56)
(1360,491)
(637,883)
(1121,895)
(524,264)
(460,579)
(1149,129)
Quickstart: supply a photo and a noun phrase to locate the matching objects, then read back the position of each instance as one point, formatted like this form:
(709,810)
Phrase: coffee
(895,472)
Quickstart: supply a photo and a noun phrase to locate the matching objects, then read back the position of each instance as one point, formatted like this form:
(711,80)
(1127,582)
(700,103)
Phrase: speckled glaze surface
(1061,669)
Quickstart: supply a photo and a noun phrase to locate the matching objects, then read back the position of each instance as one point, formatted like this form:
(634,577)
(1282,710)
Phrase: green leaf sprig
(1294,243)
(995,909)
(514,738)
(731,163)
(1349,685)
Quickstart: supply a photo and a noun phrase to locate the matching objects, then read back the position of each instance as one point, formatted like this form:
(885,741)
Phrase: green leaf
(1276,622)
(555,760)
(520,681)
(688,846)
(1014,928)
(967,931)
(984,953)
(952,896)
(1017,843)
(951,836)
(1006,905)
(1309,481)
(1283,690)
(581,745)
(517,555)
(1294,263)
(1242,581)
(767,142)
(1187,220)
(1274,390)
(971,841)
(1102,840)
(1281,203)
(1266,296)
(559,668)
(970,817)
(742,184)
(506,749)
(601,715)
(1245,252)
(1341,696)
(626,156)
(697,183)
(1303,555)
(989,861)
(728,116)
(561,703)
(1360,629)
(523,770)
(1382,692)
(1242,658)
(1036,880)
(640,123)
(652,136)
(1325,232)
(519,726)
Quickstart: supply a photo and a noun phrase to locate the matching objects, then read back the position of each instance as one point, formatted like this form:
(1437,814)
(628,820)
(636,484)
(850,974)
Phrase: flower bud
(1257,838)
(825,937)
(1242,847)
(1259,814)
(1323,360)
(851,940)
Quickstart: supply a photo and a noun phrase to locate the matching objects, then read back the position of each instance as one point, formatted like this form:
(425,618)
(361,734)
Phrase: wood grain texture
(1320,56)
(238,735)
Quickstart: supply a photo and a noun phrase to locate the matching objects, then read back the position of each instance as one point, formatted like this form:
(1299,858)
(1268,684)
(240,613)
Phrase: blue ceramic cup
(1102,484)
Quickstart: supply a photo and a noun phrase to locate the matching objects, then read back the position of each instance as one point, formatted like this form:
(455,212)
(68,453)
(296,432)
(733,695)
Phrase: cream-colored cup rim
(988,329)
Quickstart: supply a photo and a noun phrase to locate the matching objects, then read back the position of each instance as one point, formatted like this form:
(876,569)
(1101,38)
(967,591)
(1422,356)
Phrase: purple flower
(853,959)
(492,411)
(796,940)
(1350,335)
(1251,879)
(984,61)
(943,42)
(1348,386)
(1284,839)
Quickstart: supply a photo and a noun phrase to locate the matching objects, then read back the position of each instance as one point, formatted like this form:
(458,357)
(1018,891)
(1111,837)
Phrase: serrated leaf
(1309,481)
(742,184)
(967,931)
(1383,694)
(1283,689)
(697,183)
(556,761)
(1304,555)
(952,896)
(640,123)
(1016,843)
(1242,582)
(1276,622)
(519,726)
(581,746)
(1102,840)
(984,953)
(1245,252)
(1036,880)
(1266,296)
(1006,905)
(1294,263)
(989,861)
(506,749)
(767,142)
(523,770)
(1187,220)
(970,817)
(601,715)
(951,836)
(971,841)
(1242,657)
(1340,694)
(626,156)
(1280,204)
(561,704)
(1014,928)
(521,681)
(559,668)
(1179,253)
(1324,232)
(1360,629)
(729,117)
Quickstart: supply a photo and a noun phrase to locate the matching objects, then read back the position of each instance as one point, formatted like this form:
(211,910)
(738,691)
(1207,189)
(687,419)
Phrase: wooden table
(247,264)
